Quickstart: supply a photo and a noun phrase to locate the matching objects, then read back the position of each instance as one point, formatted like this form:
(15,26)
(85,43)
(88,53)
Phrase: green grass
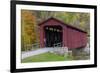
(46,57)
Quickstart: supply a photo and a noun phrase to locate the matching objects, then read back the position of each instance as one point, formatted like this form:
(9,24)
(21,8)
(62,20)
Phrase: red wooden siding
(75,39)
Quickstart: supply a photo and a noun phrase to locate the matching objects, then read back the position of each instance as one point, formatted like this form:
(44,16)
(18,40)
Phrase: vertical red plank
(41,37)
(64,37)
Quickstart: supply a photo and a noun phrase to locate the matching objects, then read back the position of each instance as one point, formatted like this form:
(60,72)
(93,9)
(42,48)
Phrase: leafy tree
(28,34)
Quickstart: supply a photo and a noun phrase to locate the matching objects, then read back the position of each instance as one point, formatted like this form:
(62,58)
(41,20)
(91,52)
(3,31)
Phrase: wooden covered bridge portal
(53,36)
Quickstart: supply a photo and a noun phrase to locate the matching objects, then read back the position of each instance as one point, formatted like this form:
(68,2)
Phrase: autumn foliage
(28,34)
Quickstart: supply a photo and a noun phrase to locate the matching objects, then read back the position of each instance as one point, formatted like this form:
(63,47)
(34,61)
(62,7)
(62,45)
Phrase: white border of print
(20,65)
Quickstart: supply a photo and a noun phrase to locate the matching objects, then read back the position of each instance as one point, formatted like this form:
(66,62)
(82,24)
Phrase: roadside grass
(46,57)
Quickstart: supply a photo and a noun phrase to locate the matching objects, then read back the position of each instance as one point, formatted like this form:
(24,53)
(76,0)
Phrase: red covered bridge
(53,32)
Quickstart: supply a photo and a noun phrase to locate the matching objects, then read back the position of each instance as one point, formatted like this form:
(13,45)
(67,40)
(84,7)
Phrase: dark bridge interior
(53,36)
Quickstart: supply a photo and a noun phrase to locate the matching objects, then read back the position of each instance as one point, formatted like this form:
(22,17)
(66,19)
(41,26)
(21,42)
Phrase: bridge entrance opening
(53,36)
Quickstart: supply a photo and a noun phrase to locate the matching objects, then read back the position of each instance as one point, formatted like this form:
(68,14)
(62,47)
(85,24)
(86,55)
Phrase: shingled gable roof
(62,24)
